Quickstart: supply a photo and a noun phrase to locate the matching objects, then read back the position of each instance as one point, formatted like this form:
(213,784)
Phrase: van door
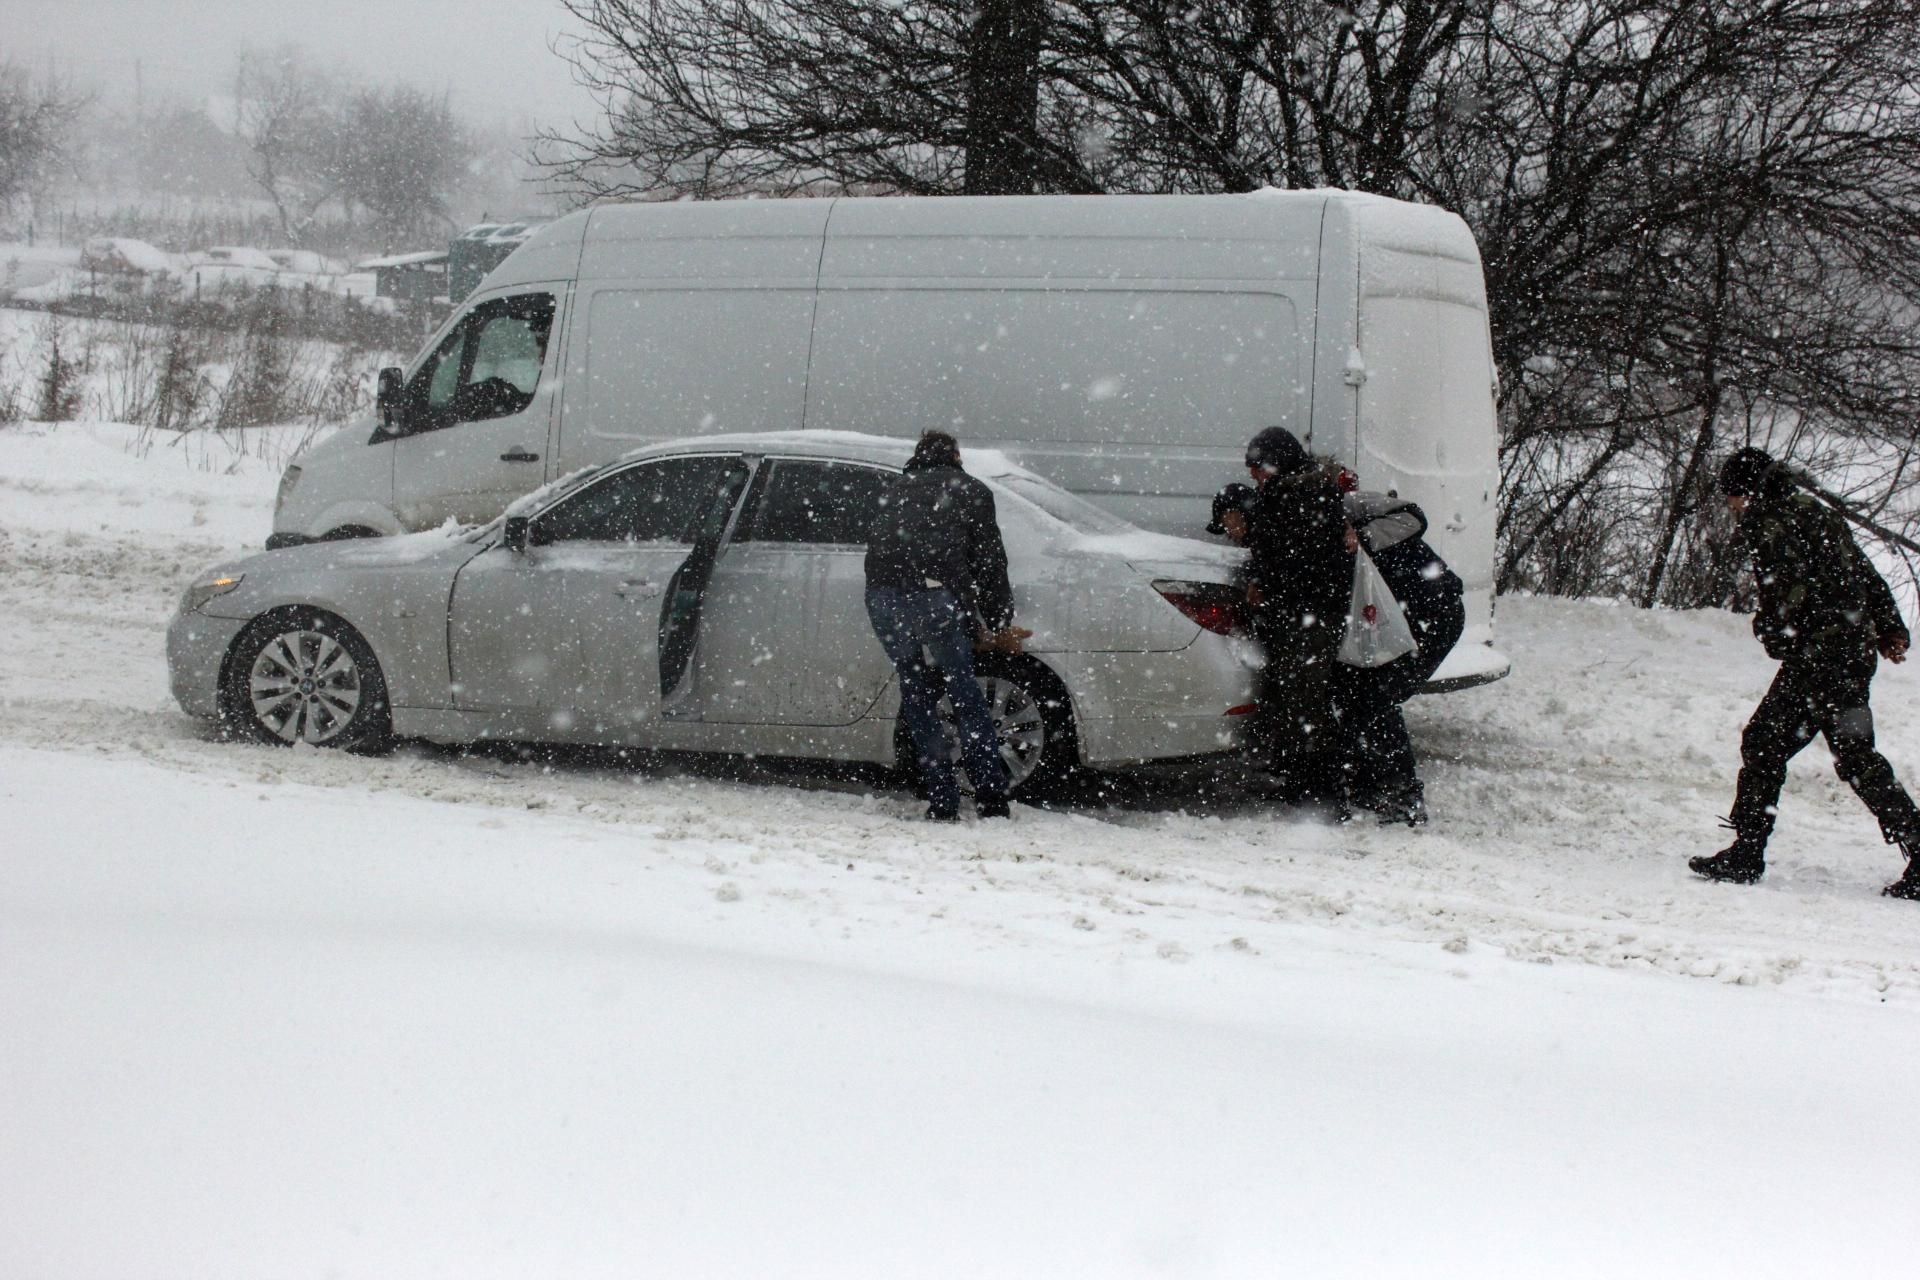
(475,420)
(1425,424)
(785,637)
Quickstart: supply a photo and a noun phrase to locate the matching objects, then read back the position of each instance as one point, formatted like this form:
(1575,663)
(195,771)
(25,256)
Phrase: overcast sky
(492,54)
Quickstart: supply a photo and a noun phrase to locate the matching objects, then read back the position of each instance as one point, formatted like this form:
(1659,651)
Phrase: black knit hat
(1277,450)
(1743,471)
(1234,497)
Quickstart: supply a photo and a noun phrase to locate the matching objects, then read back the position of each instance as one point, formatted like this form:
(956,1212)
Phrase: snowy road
(408,1014)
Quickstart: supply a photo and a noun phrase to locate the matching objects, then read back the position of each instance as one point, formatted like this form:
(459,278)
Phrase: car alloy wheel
(1019,723)
(304,686)
(304,676)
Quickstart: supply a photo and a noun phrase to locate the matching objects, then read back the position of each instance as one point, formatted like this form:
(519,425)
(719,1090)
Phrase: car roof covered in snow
(1089,528)
(854,446)
(851,446)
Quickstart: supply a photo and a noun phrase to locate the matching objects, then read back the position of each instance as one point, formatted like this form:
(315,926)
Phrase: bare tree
(289,120)
(715,97)
(402,155)
(1699,220)
(36,121)
(393,153)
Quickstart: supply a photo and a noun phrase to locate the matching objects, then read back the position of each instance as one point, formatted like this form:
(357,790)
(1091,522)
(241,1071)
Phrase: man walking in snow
(937,582)
(1299,580)
(1827,615)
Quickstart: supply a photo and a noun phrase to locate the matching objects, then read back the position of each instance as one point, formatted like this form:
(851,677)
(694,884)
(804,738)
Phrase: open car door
(583,635)
(687,591)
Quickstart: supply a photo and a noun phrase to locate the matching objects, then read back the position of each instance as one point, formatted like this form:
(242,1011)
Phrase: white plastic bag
(1377,630)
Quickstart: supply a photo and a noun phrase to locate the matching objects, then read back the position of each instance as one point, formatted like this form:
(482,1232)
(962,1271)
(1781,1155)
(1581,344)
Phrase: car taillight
(1214,606)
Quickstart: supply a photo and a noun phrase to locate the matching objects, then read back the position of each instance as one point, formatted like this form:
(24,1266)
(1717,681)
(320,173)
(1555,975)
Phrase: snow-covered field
(290,1013)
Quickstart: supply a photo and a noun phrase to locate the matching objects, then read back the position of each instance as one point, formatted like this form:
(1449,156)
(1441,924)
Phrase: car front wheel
(306,676)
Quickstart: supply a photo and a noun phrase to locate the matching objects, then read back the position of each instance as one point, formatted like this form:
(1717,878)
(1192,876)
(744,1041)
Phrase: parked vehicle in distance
(709,595)
(235,256)
(127,255)
(108,271)
(306,262)
(229,267)
(1125,347)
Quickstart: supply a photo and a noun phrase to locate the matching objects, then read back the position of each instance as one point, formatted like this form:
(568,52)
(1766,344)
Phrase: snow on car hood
(356,553)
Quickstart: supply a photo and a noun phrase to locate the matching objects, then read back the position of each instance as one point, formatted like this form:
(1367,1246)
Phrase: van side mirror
(513,534)
(390,399)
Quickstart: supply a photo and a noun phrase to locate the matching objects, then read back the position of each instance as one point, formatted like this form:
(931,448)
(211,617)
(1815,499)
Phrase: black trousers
(1294,692)
(1378,749)
(1824,696)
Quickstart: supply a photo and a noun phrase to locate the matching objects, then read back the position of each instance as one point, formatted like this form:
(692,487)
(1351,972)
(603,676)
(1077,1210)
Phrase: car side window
(819,502)
(488,367)
(660,501)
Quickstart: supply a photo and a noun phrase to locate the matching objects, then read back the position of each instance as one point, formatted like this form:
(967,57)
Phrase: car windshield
(1068,509)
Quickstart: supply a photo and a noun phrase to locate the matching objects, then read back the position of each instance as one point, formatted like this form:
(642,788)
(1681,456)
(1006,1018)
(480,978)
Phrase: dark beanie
(1276,449)
(1742,473)
(1235,497)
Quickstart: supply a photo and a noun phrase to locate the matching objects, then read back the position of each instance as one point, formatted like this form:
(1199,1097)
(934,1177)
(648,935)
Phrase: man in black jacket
(1824,612)
(1299,581)
(936,583)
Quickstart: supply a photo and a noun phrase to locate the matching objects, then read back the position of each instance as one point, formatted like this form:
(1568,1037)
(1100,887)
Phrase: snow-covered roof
(135,254)
(424,258)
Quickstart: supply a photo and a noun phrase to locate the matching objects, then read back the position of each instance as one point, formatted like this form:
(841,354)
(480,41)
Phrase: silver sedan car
(708,595)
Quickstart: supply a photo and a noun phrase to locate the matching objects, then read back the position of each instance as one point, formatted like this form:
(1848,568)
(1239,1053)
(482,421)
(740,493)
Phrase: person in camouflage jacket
(1826,614)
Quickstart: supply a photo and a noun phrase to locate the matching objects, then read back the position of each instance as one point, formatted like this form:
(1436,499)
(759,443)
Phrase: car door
(473,428)
(568,636)
(785,637)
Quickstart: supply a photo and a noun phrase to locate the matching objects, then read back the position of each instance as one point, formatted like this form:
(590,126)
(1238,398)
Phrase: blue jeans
(929,638)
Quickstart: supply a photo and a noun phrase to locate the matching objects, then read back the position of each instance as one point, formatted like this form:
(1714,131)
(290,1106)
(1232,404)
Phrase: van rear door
(1422,368)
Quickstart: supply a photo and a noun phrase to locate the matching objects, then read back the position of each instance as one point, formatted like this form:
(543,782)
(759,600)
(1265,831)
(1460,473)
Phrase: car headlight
(217,584)
(288,478)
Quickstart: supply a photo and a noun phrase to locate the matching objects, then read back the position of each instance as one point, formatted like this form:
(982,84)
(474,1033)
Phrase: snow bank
(434,1014)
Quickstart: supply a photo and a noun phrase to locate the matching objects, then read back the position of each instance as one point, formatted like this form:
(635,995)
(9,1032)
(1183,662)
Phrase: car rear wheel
(306,676)
(1032,719)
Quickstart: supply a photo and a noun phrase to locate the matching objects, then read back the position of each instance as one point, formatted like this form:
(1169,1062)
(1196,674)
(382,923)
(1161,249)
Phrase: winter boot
(1908,885)
(1405,803)
(992,807)
(1741,862)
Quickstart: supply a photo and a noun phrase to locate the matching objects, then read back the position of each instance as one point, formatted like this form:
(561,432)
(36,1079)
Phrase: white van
(1124,346)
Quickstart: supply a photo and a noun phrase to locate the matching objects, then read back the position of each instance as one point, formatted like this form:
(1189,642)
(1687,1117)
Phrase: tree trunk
(1003,98)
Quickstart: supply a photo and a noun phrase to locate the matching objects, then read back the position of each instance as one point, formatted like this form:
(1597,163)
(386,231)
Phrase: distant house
(409,278)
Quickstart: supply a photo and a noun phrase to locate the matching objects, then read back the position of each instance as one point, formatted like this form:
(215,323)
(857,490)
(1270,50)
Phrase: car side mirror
(513,534)
(391,399)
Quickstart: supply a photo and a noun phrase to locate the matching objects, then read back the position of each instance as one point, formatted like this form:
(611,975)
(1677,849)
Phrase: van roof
(1279,218)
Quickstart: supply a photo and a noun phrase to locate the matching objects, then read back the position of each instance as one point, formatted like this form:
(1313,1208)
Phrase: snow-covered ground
(297,1013)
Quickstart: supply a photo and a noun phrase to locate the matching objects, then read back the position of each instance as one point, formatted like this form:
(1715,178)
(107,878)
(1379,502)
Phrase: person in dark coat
(937,583)
(1383,774)
(1299,582)
(1826,614)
